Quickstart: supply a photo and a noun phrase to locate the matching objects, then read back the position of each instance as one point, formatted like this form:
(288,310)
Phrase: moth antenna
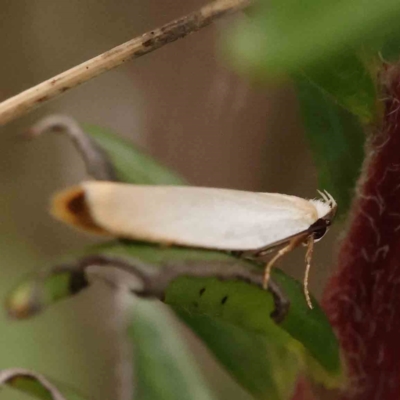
(324,196)
(333,201)
(309,253)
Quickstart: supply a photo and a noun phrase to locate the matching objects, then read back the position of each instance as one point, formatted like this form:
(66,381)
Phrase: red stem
(303,390)
(363,298)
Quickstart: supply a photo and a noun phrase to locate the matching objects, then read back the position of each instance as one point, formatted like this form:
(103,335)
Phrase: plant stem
(363,297)
(29,99)
(97,161)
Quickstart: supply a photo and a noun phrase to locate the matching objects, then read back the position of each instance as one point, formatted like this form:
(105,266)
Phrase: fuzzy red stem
(303,390)
(363,298)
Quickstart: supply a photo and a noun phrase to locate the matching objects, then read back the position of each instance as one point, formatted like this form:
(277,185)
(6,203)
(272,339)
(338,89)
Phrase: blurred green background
(184,106)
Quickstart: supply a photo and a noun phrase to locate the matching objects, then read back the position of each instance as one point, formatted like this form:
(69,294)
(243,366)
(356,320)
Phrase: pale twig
(24,102)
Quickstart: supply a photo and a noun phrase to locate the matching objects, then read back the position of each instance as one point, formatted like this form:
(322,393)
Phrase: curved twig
(96,160)
(29,298)
(155,284)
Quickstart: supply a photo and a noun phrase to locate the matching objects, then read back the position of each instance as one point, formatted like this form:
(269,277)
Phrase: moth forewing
(188,216)
(220,219)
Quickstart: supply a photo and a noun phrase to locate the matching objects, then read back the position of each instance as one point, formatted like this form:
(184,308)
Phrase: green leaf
(131,164)
(337,141)
(262,366)
(233,318)
(164,367)
(348,82)
(303,334)
(286,37)
(389,49)
(39,290)
(36,385)
(345,72)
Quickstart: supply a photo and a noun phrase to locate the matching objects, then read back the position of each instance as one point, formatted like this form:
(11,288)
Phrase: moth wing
(188,216)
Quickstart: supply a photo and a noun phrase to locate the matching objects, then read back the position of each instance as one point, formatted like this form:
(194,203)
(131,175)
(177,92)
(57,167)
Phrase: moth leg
(287,249)
(309,253)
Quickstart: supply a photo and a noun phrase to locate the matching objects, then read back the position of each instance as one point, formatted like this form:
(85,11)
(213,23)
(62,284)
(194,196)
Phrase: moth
(247,223)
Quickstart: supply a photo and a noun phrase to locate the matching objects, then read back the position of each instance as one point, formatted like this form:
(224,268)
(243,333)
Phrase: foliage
(241,325)
(330,52)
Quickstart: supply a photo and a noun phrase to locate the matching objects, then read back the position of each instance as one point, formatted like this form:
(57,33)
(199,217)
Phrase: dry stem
(24,102)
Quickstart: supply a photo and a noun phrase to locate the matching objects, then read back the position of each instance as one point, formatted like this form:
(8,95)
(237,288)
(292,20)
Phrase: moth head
(319,228)
(326,209)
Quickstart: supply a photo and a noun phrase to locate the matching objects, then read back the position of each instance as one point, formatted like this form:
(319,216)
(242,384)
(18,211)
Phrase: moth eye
(319,228)
(320,233)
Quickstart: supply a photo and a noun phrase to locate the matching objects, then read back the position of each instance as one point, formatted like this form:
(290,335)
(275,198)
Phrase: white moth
(250,223)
